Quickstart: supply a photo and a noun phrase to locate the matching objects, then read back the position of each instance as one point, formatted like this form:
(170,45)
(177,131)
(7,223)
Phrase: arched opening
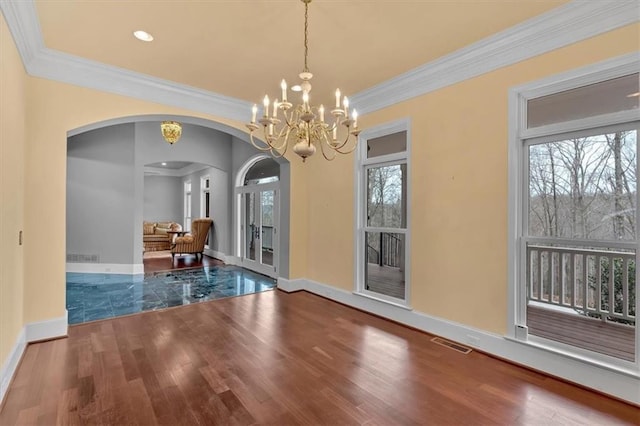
(258,205)
(121,175)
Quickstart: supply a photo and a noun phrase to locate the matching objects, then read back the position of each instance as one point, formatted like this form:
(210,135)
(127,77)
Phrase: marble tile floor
(92,297)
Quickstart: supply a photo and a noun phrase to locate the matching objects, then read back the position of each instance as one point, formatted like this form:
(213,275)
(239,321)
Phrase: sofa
(155,235)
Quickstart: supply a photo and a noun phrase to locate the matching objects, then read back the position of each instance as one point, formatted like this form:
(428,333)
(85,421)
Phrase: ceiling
(174,165)
(244,48)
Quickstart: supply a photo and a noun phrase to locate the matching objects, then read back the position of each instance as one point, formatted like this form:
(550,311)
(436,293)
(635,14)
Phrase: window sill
(628,371)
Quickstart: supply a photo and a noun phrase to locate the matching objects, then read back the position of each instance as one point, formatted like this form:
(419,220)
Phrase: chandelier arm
(286,141)
(326,157)
(346,140)
(348,151)
(278,151)
(272,141)
(280,138)
(277,154)
(268,146)
(289,120)
(322,147)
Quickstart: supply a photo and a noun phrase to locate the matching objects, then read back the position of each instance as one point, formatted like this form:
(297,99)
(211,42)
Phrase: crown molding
(562,26)
(22,20)
(54,65)
(40,61)
(567,24)
(185,171)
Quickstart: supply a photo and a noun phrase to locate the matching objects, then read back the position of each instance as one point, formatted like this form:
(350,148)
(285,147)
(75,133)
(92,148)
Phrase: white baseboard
(48,329)
(233,260)
(217,254)
(290,286)
(32,332)
(11,364)
(106,268)
(621,384)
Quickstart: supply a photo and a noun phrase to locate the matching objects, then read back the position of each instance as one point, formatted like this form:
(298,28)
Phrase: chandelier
(303,125)
(171,131)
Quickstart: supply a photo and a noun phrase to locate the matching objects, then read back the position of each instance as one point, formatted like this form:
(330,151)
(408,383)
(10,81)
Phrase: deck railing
(387,250)
(596,283)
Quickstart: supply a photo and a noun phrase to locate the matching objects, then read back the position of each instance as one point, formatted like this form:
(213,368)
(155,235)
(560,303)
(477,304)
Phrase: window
(187,205)
(205,204)
(576,226)
(382,214)
(266,170)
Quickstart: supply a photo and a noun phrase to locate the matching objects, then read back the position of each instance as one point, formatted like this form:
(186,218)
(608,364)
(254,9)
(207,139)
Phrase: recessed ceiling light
(633,95)
(164,164)
(296,88)
(143,35)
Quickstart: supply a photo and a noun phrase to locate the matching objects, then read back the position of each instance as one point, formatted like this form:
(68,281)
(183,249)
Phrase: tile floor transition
(97,296)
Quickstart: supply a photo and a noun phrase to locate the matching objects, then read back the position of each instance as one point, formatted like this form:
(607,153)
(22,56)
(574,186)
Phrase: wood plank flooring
(281,359)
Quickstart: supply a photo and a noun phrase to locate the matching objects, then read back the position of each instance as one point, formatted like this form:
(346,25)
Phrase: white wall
(107,189)
(100,195)
(163,199)
(219,205)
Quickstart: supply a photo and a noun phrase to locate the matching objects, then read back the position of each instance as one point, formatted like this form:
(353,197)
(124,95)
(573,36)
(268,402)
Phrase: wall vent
(451,345)
(83,258)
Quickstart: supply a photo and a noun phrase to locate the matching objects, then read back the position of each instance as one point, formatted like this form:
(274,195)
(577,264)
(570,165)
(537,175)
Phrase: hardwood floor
(156,264)
(277,358)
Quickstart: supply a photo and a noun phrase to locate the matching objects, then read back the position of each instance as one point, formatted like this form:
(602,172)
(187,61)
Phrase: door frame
(256,264)
(238,222)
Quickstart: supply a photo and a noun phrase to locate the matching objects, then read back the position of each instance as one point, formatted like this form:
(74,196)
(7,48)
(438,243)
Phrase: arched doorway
(258,205)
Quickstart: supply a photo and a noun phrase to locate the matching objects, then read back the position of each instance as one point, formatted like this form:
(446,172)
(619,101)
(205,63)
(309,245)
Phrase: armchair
(194,242)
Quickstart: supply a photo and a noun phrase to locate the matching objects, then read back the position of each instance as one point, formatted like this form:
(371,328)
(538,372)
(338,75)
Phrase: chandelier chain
(306,30)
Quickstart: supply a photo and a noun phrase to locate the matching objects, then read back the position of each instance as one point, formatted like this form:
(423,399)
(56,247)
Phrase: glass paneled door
(259,229)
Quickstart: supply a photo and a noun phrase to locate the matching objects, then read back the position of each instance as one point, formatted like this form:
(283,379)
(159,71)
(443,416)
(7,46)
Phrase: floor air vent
(451,345)
(83,258)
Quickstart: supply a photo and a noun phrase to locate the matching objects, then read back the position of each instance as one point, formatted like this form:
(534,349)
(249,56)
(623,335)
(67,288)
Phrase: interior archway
(107,166)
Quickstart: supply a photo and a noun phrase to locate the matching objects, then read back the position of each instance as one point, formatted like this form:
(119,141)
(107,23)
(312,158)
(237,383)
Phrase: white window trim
(518,189)
(203,191)
(361,162)
(187,194)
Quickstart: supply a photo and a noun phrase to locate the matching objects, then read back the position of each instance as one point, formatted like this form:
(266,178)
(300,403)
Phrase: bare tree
(384,196)
(584,161)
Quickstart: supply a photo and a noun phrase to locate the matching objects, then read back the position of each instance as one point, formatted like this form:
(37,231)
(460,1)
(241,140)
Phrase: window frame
(520,138)
(205,188)
(361,166)
(188,204)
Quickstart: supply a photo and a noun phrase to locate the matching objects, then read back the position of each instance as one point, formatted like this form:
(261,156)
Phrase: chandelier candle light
(304,125)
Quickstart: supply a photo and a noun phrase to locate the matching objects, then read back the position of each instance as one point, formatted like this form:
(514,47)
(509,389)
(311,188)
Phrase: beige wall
(12,146)
(458,190)
(459,209)
(54,109)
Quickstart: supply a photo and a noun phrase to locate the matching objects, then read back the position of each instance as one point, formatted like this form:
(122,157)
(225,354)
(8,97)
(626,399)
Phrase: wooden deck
(385,280)
(607,338)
